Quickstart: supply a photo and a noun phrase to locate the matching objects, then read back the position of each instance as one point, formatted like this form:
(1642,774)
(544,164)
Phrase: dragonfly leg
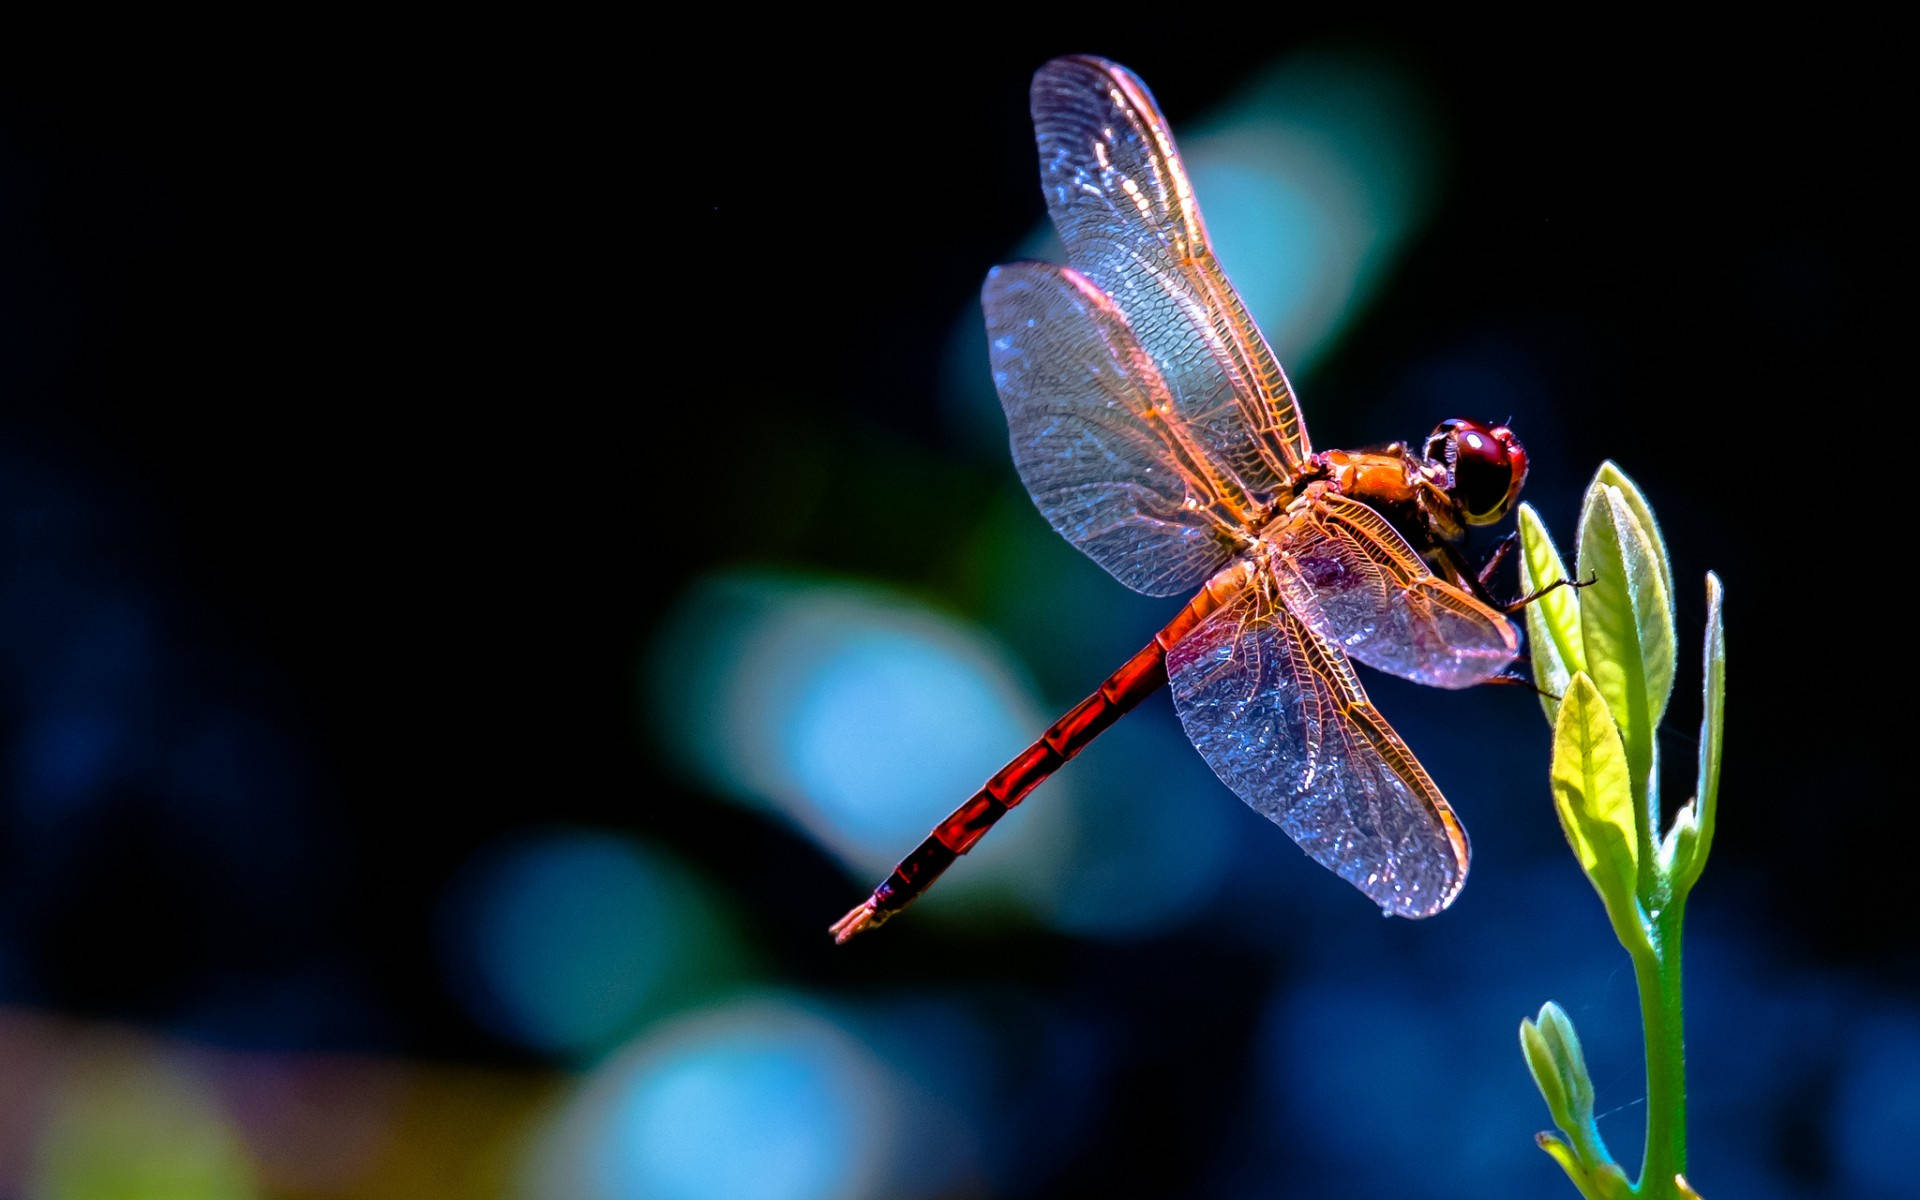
(1536,593)
(1448,563)
(1498,556)
(1515,678)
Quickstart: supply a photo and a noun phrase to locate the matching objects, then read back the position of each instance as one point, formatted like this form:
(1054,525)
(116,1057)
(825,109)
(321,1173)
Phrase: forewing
(1346,572)
(1275,710)
(1094,435)
(1121,200)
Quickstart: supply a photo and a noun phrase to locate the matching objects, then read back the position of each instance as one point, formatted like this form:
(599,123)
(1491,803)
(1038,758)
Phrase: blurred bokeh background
(508,533)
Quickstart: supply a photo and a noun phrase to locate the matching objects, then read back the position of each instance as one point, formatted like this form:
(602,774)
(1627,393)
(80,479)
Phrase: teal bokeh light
(760,1100)
(896,723)
(563,941)
(855,713)
(782,1105)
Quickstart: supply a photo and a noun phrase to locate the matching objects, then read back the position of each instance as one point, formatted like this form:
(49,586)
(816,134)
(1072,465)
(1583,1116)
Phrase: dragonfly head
(1485,467)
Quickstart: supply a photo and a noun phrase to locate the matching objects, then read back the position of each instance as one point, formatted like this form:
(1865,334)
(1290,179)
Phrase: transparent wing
(1347,573)
(1096,437)
(1275,710)
(1121,201)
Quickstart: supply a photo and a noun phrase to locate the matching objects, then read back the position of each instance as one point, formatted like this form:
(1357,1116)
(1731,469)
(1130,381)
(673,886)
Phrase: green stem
(1656,969)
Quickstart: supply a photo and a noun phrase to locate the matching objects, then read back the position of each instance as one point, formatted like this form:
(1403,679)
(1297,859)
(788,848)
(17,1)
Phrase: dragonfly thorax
(1464,474)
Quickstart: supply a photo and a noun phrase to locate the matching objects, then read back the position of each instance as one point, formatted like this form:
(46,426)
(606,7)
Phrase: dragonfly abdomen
(1136,679)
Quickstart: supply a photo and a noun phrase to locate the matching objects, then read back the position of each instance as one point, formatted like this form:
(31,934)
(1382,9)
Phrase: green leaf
(1552,1051)
(1594,796)
(1546,1072)
(1690,858)
(1611,475)
(1681,845)
(1626,626)
(1553,1055)
(1553,621)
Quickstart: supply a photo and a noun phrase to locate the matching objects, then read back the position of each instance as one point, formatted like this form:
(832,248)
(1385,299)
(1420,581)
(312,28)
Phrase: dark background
(369,398)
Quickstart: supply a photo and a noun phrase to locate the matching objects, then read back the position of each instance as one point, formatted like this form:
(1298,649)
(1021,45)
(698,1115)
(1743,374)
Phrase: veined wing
(1121,201)
(1347,573)
(1275,710)
(1096,436)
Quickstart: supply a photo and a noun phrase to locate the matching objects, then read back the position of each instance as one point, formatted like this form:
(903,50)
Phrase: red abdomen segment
(1141,676)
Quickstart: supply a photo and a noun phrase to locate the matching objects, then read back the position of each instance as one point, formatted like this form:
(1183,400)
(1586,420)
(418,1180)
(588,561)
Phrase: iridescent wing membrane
(1120,198)
(1166,464)
(1348,574)
(1275,710)
(1097,436)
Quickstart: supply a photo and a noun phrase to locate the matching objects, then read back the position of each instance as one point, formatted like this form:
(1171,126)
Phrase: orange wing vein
(1277,712)
(1121,200)
(1347,573)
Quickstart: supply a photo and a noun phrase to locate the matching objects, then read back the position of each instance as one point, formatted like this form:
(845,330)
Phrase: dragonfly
(1155,431)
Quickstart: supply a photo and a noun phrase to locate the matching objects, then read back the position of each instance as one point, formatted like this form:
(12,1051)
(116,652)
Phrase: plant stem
(1656,970)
